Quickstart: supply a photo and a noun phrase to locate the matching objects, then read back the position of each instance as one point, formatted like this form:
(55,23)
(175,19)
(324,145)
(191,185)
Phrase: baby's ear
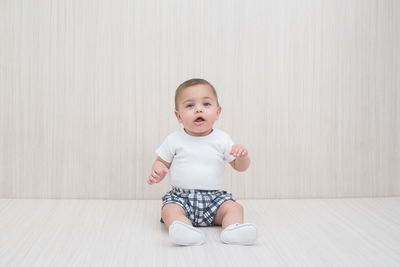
(219,109)
(178,116)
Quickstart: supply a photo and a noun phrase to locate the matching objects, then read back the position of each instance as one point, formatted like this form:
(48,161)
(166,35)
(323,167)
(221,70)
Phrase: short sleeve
(165,150)
(228,147)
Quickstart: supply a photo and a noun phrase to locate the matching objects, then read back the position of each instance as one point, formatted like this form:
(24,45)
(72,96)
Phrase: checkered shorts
(200,205)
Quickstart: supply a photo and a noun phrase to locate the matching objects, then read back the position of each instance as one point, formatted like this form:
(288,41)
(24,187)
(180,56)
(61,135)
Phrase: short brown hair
(189,83)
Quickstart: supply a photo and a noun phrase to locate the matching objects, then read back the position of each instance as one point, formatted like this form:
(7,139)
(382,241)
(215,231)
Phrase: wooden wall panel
(310,87)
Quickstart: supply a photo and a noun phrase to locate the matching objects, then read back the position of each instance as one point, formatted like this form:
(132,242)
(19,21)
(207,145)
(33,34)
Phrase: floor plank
(306,232)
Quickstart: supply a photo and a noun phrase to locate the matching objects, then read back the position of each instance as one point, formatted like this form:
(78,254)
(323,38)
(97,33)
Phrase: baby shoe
(183,234)
(240,234)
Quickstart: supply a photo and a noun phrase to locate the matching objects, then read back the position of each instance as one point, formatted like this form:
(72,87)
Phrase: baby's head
(189,83)
(196,106)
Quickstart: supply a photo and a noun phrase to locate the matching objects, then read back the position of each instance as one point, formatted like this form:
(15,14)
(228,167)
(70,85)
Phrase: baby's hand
(157,175)
(239,151)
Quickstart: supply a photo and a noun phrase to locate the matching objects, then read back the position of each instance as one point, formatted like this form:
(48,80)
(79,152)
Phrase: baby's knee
(172,210)
(232,206)
(239,207)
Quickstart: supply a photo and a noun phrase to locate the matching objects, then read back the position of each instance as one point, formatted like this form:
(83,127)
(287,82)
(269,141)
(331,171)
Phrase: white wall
(310,87)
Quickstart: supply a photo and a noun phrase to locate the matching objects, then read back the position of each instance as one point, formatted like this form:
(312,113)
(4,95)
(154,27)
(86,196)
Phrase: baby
(195,157)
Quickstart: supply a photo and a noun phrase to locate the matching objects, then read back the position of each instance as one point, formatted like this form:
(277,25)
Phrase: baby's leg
(181,231)
(174,212)
(229,213)
(230,216)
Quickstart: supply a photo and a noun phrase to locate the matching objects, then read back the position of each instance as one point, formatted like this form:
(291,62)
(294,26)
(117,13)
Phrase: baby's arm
(242,161)
(158,171)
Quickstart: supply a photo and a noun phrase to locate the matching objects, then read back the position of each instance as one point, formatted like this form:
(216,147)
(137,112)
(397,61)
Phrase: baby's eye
(189,105)
(207,104)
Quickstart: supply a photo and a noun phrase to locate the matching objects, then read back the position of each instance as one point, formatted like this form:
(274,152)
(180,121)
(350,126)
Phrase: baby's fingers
(239,152)
(152,180)
(233,151)
(155,175)
(236,152)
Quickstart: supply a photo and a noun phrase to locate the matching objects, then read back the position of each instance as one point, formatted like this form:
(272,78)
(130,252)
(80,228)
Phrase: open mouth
(199,119)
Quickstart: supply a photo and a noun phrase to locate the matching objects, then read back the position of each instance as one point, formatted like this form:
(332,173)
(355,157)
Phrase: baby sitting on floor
(195,156)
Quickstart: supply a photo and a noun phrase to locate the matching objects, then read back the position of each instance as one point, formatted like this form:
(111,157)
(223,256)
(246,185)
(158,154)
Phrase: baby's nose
(199,109)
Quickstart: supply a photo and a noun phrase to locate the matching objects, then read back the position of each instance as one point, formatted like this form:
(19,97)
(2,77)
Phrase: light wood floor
(312,232)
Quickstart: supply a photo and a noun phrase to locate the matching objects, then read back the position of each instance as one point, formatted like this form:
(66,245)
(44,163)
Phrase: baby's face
(198,109)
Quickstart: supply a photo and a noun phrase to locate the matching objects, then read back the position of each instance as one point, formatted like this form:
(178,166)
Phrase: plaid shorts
(200,205)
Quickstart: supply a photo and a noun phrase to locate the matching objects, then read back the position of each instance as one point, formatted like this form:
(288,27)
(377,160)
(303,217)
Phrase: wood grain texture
(310,87)
(306,232)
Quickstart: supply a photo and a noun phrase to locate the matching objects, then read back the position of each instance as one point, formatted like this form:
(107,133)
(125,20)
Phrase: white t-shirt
(197,161)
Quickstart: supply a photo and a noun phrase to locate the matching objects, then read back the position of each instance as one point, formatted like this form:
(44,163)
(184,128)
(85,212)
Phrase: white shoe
(240,234)
(183,234)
